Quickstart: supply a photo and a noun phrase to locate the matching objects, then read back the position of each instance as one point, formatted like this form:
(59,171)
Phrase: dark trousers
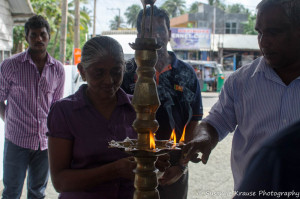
(177,190)
(16,161)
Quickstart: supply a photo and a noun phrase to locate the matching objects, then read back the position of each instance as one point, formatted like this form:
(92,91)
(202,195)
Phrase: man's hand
(191,150)
(171,175)
(204,141)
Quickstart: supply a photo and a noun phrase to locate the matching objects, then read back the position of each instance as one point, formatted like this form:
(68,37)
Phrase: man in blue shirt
(260,98)
(180,96)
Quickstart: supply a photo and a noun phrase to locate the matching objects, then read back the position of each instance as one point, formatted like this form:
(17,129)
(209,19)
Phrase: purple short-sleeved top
(74,118)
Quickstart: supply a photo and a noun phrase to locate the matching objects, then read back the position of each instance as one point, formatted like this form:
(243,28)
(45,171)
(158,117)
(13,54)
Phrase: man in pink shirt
(30,82)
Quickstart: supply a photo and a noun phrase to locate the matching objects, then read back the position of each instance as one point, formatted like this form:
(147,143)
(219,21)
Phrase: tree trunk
(94,20)
(76,25)
(63,27)
(54,44)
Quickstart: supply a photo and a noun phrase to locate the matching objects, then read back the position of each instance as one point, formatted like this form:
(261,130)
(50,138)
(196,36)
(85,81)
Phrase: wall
(6,26)
(205,19)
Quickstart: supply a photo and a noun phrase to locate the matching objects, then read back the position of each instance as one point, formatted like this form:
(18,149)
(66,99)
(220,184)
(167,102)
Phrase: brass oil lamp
(146,102)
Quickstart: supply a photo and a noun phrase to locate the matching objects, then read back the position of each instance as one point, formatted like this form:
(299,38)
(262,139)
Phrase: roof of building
(125,39)
(234,42)
(118,32)
(21,10)
(225,41)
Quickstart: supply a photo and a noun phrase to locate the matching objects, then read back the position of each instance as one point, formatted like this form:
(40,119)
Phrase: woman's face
(104,77)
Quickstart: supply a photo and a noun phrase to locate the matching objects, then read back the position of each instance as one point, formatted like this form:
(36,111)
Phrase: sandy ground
(213,180)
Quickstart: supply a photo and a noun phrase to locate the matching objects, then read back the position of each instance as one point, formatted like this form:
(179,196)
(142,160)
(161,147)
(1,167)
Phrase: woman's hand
(171,175)
(162,162)
(124,167)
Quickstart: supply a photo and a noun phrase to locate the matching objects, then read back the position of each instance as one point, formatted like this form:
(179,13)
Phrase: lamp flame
(173,137)
(183,135)
(152,140)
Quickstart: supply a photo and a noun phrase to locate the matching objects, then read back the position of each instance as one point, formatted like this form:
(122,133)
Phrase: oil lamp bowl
(130,146)
(145,44)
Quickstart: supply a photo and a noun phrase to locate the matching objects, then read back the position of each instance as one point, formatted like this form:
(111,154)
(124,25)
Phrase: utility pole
(119,20)
(94,24)
(76,25)
(214,32)
(63,27)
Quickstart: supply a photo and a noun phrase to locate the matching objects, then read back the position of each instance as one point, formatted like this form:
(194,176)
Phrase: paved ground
(213,180)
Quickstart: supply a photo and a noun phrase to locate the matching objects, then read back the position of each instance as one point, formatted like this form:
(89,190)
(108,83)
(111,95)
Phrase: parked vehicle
(209,73)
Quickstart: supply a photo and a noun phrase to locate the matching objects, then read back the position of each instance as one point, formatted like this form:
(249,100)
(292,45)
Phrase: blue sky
(104,12)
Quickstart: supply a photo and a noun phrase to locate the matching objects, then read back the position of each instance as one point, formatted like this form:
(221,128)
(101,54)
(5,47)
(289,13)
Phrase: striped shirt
(29,95)
(255,104)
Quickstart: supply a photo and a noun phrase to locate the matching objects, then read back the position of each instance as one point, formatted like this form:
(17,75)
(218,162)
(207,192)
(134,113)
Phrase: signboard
(77,56)
(190,38)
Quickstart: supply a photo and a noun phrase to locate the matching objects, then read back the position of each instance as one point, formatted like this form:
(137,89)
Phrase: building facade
(12,12)
(228,44)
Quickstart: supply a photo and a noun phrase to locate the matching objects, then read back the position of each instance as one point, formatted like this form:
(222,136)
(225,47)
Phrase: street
(213,180)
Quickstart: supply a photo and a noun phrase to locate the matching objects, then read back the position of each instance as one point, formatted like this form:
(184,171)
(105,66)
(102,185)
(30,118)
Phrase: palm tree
(249,26)
(131,14)
(194,7)
(217,3)
(237,8)
(116,23)
(174,7)
(63,30)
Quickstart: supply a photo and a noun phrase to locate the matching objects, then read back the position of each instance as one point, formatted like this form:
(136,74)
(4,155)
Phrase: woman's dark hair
(35,22)
(98,48)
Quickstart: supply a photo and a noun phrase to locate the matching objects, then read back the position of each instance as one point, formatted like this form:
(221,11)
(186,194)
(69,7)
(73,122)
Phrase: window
(4,55)
(231,28)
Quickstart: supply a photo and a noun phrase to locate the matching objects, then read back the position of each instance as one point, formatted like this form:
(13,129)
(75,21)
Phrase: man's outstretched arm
(202,137)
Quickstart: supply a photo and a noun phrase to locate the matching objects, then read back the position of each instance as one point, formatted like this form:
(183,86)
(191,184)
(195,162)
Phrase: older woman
(80,126)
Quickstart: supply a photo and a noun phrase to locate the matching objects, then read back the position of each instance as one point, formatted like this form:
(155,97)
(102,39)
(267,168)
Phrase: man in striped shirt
(261,98)
(29,83)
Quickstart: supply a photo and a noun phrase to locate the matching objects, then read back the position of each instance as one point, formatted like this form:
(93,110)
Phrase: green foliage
(18,38)
(217,3)
(116,23)
(194,7)
(237,8)
(51,10)
(131,14)
(249,26)
(174,7)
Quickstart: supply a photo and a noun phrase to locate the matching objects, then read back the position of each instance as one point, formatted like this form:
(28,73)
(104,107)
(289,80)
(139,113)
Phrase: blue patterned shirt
(179,93)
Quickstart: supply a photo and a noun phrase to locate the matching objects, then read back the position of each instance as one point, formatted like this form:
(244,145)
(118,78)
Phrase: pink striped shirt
(29,96)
